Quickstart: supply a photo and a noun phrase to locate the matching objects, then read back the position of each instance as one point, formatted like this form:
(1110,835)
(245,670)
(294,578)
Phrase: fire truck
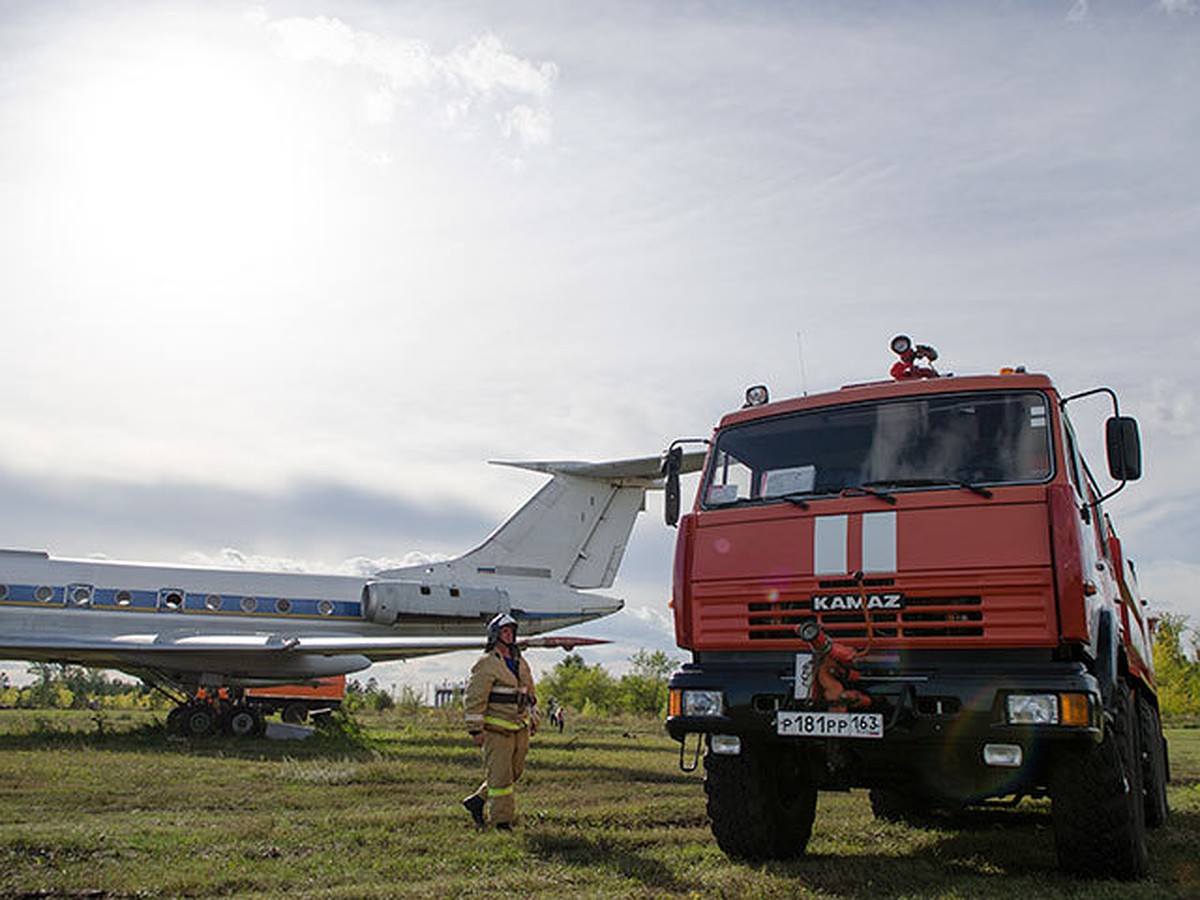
(912,586)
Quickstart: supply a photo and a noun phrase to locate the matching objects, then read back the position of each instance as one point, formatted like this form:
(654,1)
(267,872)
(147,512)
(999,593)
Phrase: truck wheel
(1097,805)
(892,805)
(760,803)
(1154,764)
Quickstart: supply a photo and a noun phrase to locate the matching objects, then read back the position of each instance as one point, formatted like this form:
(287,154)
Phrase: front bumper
(940,711)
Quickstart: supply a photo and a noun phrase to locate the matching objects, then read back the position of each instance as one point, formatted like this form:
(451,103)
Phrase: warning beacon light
(909,353)
(756,395)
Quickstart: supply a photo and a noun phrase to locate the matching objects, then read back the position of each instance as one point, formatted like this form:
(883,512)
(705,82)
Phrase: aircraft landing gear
(201,717)
(242,720)
(197,718)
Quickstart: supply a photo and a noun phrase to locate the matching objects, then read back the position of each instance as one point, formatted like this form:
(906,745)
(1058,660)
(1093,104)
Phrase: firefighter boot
(474,805)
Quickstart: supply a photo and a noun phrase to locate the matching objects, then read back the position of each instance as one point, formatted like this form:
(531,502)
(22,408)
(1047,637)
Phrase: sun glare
(175,150)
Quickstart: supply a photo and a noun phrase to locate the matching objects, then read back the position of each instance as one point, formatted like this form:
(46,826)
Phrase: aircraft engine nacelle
(384,602)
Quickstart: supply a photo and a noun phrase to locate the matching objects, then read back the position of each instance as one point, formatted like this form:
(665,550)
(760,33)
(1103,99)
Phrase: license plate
(829,724)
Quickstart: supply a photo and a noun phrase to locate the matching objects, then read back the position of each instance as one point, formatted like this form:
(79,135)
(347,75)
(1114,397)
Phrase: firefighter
(501,713)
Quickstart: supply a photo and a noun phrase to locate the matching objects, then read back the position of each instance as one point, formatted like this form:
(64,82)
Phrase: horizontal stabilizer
(644,467)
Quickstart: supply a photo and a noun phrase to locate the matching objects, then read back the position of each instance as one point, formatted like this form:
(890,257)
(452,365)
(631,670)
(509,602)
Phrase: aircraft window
(172,600)
(325,608)
(124,598)
(283,604)
(453,592)
(44,593)
(3,591)
(212,602)
(82,595)
(424,589)
(249,604)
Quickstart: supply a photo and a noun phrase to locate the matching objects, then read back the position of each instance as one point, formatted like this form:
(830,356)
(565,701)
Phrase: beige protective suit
(503,706)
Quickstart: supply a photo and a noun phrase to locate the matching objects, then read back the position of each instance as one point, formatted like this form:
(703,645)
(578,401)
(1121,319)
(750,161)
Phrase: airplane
(181,629)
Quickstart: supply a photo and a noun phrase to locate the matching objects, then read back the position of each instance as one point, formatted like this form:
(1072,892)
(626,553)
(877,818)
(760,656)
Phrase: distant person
(556,715)
(500,713)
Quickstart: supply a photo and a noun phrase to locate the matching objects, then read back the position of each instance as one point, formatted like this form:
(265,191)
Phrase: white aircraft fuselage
(186,627)
(187,620)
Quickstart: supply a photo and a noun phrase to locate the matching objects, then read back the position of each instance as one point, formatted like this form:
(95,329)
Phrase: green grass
(118,809)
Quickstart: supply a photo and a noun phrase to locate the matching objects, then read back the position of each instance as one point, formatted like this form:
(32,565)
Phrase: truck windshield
(967,440)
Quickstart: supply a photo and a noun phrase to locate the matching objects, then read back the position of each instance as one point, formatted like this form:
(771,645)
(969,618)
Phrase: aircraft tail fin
(575,529)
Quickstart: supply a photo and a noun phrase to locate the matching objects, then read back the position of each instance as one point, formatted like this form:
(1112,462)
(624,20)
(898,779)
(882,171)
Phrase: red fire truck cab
(911,586)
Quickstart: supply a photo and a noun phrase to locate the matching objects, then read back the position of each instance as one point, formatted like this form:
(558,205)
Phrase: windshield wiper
(801,498)
(869,488)
(933,482)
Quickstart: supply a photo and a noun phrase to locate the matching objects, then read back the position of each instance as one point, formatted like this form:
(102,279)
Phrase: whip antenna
(800,358)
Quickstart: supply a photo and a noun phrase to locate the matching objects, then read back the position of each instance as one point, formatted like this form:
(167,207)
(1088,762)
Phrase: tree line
(57,686)
(1176,670)
(592,690)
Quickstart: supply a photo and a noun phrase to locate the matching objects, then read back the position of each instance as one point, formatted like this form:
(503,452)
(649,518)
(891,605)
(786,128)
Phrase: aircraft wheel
(200,721)
(242,721)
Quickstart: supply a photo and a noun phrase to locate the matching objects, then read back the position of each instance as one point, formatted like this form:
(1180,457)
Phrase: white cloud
(484,67)
(358,566)
(321,38)
(476,75)
(1173,408)
(532,126)
(1169,585)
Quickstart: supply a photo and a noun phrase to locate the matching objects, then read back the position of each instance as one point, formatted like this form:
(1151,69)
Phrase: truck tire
(1097,805)
(761,804)
(1154,764)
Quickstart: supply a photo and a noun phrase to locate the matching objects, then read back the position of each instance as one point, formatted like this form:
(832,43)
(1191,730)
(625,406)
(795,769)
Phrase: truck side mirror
(672,464)
(1124,448)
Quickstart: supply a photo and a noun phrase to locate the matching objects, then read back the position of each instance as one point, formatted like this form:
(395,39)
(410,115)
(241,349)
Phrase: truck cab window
(922,443)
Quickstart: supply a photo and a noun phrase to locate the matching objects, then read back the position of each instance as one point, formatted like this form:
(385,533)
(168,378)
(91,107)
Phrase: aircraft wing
(248,652)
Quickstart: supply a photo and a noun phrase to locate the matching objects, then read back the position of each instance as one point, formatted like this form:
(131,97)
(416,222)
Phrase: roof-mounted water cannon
(909,353)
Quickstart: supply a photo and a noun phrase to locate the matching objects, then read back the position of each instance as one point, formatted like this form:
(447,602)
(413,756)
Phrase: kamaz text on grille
(854,602)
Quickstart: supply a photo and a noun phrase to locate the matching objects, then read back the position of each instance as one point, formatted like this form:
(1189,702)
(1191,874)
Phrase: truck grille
(1015,607)
(922,617)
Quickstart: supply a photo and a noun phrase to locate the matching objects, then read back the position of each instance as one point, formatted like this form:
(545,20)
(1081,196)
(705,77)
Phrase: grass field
(114,808)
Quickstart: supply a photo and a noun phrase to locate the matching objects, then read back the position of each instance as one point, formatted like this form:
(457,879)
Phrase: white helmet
(500,620)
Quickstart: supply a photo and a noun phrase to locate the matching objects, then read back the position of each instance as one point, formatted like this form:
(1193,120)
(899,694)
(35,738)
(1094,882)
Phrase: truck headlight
(1073,709)
(703,703)
(1032,709)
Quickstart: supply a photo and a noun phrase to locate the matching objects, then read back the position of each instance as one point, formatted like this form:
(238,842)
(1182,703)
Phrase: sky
(278,279)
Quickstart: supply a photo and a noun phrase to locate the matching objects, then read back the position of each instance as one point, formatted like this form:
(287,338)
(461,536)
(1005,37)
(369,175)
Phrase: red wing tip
(566,643)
